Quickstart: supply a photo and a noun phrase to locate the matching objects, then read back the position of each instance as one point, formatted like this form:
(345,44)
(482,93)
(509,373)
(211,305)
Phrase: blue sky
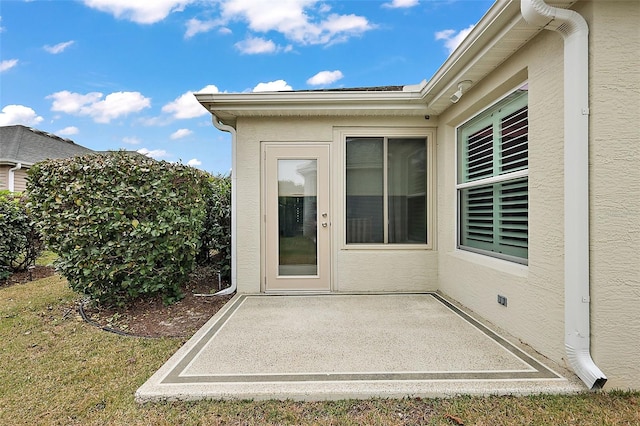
(119,74)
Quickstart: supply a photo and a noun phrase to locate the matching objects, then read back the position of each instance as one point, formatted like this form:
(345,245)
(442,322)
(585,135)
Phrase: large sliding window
(386,190)
(493,180)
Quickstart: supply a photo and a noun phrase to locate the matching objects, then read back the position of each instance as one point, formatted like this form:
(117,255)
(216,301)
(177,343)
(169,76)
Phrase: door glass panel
(297,217)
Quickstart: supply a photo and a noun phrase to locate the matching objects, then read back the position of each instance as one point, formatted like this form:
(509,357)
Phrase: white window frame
(341,134)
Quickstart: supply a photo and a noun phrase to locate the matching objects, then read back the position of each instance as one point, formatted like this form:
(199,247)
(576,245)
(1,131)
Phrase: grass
(298,250)
(46,258)
(56,369)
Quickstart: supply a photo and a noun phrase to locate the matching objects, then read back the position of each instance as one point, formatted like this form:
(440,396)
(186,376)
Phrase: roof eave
(228,106)
(496,37)
(13,162)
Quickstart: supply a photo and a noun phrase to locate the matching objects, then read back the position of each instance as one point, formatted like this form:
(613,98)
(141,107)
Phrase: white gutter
(234,257)
(12,177)
(575,32)
(229,106)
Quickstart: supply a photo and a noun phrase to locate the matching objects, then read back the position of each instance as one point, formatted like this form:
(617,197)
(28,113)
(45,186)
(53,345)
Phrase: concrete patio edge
(173,382)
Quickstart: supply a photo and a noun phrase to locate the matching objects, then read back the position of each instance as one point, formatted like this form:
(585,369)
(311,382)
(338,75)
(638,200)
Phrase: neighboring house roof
(21,144)
(499,34)
(359,89)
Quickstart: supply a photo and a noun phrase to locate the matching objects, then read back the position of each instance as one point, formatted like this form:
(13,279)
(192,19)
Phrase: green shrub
(216,236)
(122,225)
(20,242)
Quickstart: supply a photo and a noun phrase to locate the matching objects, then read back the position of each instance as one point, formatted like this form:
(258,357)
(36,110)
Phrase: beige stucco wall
(353,270)
(535,293)
(615,190)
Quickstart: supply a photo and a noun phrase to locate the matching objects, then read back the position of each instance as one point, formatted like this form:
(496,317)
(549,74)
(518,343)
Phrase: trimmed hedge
(216,236)
(123,225)
(20,243)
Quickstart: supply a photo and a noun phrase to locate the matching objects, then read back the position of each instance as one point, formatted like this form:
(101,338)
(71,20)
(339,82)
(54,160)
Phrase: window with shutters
(493,181)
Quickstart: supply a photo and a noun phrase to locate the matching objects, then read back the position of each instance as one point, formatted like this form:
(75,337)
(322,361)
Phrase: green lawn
(55,369)
(298,250)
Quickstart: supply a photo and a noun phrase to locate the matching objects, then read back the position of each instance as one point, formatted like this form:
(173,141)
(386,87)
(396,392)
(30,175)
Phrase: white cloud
(131,140)
(153,153)
(2,29)
(196,26)
(141,12)
(295,20)
(118,104)
(180,133)
(256,45)
(187,106)
(58,48)
(272,86)
(401,4)
(194,162)
(72,103)
(211,88)
(19,114)
(68,131)
(114,105)
(338,28)
(7,64)
(154,121)
(452,39)
(325,77)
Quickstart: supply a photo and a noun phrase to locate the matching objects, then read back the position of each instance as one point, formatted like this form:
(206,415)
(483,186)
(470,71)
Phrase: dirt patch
(36,273)
(149,317)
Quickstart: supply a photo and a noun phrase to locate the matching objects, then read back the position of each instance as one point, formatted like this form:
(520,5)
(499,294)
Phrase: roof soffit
(228,106)
(498,35)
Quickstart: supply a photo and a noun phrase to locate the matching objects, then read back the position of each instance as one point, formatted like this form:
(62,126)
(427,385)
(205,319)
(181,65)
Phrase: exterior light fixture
(463,85)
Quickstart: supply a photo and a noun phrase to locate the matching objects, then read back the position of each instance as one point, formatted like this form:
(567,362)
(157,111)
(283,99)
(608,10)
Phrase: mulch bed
(24,277)
(149,317)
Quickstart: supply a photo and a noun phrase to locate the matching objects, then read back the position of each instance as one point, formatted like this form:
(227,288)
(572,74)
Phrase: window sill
(390,247)
(501,265)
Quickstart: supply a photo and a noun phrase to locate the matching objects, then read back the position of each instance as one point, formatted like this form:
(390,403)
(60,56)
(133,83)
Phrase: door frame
(322,283)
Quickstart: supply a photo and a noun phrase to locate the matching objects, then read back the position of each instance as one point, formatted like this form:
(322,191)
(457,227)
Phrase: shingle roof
(21,144)
(358,89)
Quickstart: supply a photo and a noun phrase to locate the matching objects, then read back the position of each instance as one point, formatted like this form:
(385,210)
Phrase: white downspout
(12,178)
(234,258)
(575,32)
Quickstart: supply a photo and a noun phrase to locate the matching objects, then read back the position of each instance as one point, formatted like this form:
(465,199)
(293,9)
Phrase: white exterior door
(296,216)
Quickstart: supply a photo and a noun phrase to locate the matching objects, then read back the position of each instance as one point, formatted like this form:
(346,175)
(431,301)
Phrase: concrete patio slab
(318,347)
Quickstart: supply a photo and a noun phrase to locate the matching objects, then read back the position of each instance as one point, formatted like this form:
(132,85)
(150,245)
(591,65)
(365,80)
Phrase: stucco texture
(353,270)
(535,292)
(615,190)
